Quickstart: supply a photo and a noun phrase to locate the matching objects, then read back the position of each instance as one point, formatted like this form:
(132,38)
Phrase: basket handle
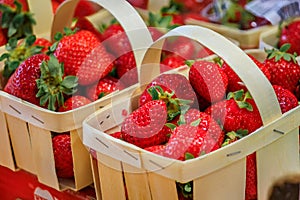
(134,26)
(43,15)
(258,85)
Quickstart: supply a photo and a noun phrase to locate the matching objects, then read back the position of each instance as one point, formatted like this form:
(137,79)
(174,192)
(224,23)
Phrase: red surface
(25,186)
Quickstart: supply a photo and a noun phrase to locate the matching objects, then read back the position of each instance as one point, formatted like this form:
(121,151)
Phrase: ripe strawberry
(84,56)
(63,157)
(82,23)
(214,136)
(283,67)
(126,69)
(39,80)
(74,102)
(117,135)
(287,100)
(17,52)
(44,43)
(174,90)
(234,81)
(192,6)
(251,177)
(171,61)
(157,149)
(208,80)
(237,112)
(289,33)
(181,46)
(86,8)
(139,3)
(3,37)
(104,87)
(115,40)
(11,4)
(145,126)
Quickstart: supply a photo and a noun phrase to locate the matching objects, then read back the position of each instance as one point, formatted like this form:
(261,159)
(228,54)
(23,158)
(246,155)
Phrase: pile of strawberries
(185,117)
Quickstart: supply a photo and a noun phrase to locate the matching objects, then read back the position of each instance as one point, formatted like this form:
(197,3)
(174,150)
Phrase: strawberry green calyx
(17,53)
(18,23)
(52,86)
(240,98)
(175,106)
(281,53)
(234,135)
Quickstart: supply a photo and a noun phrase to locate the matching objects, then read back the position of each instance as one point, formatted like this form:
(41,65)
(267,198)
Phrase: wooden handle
(134,26)
(258,85)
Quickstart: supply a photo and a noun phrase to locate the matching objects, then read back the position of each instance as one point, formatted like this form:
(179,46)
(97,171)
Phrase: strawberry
(44,43)
(82,23)
(287,100)
(145,126)
(171,61)
(181,46)
(214,136)
(157,149)
(283,67)
(126,69)
(104,87)
(193,5)
(63,157)
(174,90)
(3,37)
(74,102)
(86,8)
(84,56)
(234,81)
(203,52)
(17,52)
(289,33)
(208,80)
(237,112)
(117,135)
(39,80)
(251,177)
(139,3)
(16,19)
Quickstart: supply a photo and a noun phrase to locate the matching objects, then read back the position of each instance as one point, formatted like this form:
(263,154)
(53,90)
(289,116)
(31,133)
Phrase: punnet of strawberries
(184,117)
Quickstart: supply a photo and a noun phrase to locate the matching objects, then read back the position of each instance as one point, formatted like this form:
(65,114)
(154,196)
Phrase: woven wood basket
(218,175)
(30,127)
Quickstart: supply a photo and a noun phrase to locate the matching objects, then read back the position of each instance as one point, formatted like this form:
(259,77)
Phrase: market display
(188,98)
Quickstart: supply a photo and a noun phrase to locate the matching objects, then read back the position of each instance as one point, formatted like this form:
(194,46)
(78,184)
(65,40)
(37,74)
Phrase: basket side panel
(136,181)
(20,139)
(111,178)
(6,153)
(218,184)
(162,187)
(43,156)
(81,162)
(272,161)
(96,177)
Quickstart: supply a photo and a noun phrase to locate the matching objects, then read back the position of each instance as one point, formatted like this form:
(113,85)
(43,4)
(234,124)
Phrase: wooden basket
(43,19)
(30,126)
(218,175)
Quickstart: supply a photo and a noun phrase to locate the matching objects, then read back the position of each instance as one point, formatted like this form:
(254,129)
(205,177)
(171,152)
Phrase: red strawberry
(290,34)
(11,3)
(287,100)
(84,56)
(208,80)
(157,149)
(82,23)
(237,112)
(3,37)
(171,61)
(234,81)
(63,155)
(174,89)
(193,5)
(283,67)
(126,69)
(74,102)
(181,46)
(251,177)
(139,3)
(44,43)
(86,8)
(117,135)
(115,40)
(104,87)
(214,136)
(39,80)
(145,126)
